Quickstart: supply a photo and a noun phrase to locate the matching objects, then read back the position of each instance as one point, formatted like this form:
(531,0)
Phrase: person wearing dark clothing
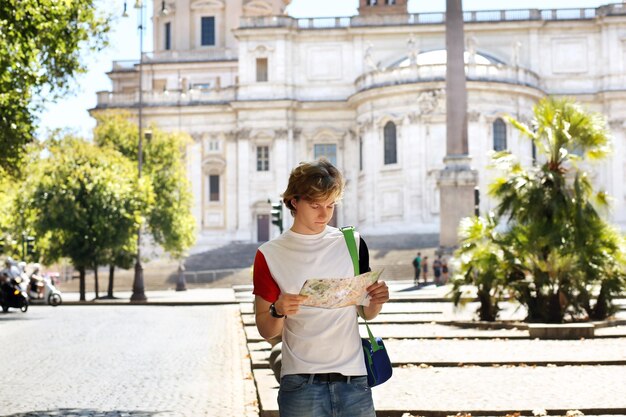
(417,261)
(437,270)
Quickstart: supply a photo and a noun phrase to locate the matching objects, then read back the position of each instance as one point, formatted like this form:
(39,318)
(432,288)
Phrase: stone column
(457,180)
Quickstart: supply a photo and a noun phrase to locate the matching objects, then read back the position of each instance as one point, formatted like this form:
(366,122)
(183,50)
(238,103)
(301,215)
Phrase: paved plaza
(441,369)
(197,353)
(127,360)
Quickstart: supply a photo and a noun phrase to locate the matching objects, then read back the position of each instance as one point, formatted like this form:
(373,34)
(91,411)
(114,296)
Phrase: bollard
(181,283)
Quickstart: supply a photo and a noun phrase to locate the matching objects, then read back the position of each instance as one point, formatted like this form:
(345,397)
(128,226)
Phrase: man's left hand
(378,292)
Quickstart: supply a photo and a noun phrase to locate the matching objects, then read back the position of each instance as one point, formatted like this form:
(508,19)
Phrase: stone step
(486,391)
(413,318)
(453,353)
(419,331)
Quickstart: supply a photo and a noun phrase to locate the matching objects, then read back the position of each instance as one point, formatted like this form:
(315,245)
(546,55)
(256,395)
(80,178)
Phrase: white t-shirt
(315,340)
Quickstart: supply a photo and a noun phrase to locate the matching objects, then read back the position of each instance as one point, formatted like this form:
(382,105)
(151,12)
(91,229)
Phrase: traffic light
(30,246)
(277,215)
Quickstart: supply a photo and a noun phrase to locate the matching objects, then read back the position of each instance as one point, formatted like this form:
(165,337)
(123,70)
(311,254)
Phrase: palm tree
(555,230)
(482,261)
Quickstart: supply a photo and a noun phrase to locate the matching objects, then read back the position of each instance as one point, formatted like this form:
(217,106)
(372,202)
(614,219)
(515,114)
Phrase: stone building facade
(260,91)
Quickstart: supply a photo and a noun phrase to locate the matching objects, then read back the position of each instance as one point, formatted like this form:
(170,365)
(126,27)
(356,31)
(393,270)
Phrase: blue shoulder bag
(377,360)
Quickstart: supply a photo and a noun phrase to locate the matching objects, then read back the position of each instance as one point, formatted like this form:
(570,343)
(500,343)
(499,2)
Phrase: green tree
(15,218)
(564,247)
(482,264)
(169,220)
(87,204)
(42,42)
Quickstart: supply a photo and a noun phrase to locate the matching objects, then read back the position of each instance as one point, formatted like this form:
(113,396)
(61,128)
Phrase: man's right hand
(289,304)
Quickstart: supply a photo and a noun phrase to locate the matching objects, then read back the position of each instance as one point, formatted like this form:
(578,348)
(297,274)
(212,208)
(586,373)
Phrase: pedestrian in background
(444,270)
(437,270)
(418,267)
(323,367)
(425,268)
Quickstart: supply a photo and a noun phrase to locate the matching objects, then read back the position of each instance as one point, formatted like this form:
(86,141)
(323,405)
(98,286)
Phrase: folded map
(339,292)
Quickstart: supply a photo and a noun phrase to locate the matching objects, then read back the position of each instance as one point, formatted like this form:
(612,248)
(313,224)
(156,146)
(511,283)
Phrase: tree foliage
(169,219)
(42,42)
(560,250)
(86,204)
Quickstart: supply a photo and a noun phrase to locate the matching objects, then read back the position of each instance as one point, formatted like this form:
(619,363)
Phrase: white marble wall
(312,97)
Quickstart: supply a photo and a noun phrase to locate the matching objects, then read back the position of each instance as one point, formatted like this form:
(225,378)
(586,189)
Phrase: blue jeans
(300,396)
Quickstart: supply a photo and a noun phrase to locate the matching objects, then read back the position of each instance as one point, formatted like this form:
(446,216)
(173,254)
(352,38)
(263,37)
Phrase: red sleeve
(262,280)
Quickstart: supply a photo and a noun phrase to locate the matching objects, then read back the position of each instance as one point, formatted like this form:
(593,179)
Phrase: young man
(323,369)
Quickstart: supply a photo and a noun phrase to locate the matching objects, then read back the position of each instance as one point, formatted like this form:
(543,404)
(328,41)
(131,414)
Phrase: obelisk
(457,180)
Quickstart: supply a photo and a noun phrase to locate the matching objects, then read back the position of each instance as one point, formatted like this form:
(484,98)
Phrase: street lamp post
(138,285)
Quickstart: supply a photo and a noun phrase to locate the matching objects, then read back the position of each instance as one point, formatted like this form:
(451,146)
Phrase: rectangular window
(168,36)
(214,188)
(391,2)
(261,70)
(208,31)
(327,150)
(263,158)
(372,2)
(214,146)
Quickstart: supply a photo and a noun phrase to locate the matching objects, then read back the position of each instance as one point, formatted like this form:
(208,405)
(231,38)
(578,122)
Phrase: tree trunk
(555,311)
(81,272)
(601,309)
(95,275)
(111,275)
(487,310)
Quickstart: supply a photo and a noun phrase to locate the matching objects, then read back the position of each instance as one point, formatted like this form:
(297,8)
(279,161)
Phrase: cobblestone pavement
(125,361)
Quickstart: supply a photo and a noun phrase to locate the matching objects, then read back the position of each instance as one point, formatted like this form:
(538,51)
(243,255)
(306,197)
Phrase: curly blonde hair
(313,181)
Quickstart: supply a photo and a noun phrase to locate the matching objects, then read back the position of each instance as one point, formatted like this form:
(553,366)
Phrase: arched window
(391,156)
(499,135)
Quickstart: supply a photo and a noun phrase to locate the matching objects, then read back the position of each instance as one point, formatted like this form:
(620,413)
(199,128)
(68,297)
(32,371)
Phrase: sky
(70,113)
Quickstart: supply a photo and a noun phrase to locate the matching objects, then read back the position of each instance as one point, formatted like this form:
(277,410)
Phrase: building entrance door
(263,227)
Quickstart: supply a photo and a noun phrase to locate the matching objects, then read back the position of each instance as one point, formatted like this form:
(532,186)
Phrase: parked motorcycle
(12,295)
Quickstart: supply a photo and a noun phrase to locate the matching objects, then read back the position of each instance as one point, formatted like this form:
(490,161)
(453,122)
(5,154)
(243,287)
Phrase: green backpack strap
(348,234)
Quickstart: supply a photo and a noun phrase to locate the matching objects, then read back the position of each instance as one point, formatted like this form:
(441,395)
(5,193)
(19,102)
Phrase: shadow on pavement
(418,286)
(83,412)
(16,316)
(413,288)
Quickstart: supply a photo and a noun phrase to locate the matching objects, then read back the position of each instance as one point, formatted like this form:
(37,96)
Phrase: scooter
(51,294)
(12,295)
